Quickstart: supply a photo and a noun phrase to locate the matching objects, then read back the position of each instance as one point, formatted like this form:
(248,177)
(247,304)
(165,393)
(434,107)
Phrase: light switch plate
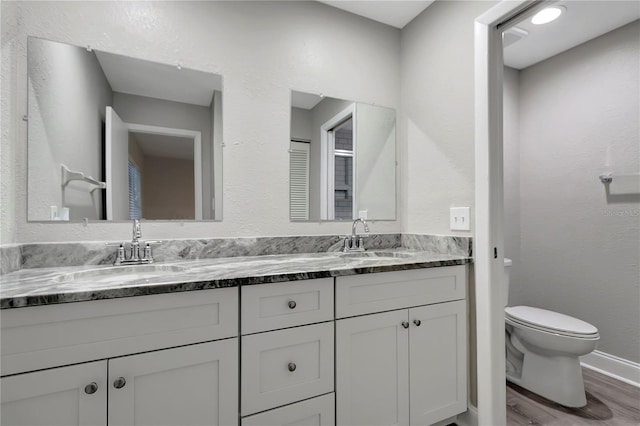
(460,218)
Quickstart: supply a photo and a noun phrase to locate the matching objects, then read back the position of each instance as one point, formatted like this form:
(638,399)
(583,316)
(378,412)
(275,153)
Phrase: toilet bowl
(543,349)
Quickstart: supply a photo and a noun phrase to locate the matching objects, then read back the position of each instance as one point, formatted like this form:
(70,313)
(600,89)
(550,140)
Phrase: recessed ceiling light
(547,15)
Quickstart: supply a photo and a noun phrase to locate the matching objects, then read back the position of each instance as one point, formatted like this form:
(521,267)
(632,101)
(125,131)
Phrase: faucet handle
(148,253)
(120,256)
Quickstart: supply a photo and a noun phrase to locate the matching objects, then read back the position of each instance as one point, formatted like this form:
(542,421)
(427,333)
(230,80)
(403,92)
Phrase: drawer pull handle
(91,388)
(292,367)
(119,383)
(405,324)
(417,322)
(292,304)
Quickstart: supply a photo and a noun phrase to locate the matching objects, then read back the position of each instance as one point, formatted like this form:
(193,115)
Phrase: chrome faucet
(355,242)
(134,257)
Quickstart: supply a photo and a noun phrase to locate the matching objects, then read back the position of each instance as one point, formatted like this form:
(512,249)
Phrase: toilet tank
(506,280)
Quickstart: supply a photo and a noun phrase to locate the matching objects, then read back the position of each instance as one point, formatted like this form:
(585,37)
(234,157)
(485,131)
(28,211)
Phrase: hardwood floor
(609,402)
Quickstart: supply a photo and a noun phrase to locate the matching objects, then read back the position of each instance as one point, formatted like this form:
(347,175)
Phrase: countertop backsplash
(45,255)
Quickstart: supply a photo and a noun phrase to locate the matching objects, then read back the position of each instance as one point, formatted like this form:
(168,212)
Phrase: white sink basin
(120,273)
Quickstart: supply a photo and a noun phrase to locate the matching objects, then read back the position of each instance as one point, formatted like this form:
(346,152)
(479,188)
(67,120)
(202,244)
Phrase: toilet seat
(550,322)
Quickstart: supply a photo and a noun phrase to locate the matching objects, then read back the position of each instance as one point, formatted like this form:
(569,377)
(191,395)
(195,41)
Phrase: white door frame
(197,154)
(489,239)
(327,212)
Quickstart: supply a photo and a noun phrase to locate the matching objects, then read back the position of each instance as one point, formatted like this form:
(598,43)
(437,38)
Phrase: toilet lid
(550,320)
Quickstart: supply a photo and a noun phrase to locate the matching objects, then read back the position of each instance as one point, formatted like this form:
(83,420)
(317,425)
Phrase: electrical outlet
(460,218)
(363,214)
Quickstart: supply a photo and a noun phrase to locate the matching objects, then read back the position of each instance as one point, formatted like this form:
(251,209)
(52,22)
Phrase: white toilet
(543,349)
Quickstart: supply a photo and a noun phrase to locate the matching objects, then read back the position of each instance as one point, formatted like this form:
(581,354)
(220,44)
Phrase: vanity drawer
(385,291)
(318,411)
(280,305)
(53,335)
(285,366)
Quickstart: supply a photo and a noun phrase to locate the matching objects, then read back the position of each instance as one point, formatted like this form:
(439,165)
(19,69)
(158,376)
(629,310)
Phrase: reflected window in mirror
(137,139)
(340,171)
(342,159)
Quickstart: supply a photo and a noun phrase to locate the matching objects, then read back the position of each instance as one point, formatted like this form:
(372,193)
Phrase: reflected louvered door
(299,181)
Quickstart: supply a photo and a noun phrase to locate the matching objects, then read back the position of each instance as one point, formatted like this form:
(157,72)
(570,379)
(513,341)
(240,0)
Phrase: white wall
(216,153)
(579,248)
(437,127)
(301,124)
(511,158)
(68,93)
(262,50)
(375,160)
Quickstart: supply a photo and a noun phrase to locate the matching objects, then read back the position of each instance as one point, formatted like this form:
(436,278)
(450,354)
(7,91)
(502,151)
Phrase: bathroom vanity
(295,339)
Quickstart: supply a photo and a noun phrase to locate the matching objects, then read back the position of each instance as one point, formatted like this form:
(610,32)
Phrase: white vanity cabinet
(387,348)
(287,355)
(194,383)
(404,366)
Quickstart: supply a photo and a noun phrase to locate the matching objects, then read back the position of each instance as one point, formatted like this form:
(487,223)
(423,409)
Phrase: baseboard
(613,366)
(468,418)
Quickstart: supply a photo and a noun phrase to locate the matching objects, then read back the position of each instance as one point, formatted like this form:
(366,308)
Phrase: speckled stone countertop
(44,286)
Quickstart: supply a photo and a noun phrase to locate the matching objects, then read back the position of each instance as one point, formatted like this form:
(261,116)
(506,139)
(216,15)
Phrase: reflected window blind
(135,209)
(299,181)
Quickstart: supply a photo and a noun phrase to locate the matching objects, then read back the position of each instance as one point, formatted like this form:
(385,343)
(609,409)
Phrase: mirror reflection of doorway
(338,182)
(166,183)
(152,172)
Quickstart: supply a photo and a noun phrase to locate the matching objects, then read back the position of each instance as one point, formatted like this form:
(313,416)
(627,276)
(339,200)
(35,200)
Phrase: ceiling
(175,147)
(304,100)
(581,22)
(161,81)
(396,13)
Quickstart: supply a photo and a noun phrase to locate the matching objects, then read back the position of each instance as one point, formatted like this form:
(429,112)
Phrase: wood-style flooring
(609,402)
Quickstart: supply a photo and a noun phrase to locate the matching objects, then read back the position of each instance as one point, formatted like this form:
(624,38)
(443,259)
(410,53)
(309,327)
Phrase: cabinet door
(60,396)
(438,362)
(189,385)
(372,370)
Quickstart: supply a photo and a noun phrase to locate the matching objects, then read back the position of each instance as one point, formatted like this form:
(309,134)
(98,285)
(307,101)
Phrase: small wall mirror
(112,137)
(342,160)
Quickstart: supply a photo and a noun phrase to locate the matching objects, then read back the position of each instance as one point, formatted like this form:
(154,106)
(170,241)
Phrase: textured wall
(262,50)
(438,114)
(580,248)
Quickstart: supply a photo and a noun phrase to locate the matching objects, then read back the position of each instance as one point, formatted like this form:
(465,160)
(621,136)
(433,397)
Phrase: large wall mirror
(118,138)
(342,159)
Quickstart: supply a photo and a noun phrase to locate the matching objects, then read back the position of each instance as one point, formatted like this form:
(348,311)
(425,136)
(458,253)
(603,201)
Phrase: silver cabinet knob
(119,383)
(292,367)
(417,322)
(405,324)
(91,388)
(292,304)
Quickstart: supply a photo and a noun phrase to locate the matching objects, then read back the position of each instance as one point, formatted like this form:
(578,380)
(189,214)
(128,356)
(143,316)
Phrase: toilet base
(557,378)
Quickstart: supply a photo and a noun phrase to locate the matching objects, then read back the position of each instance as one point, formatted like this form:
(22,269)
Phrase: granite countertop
(44,286)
